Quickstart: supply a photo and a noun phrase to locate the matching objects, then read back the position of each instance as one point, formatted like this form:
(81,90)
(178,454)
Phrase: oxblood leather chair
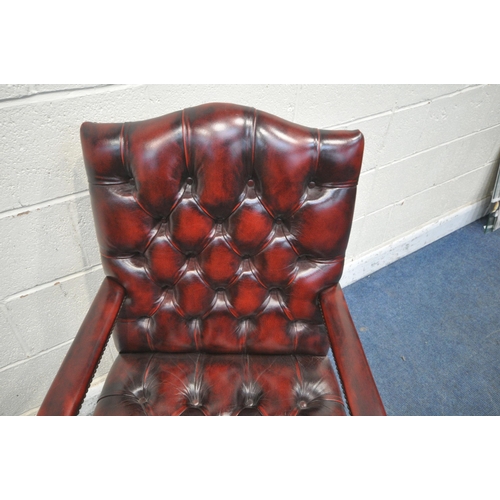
(222,231)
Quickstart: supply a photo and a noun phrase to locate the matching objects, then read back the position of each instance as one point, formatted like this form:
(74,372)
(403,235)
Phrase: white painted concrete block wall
(431,151)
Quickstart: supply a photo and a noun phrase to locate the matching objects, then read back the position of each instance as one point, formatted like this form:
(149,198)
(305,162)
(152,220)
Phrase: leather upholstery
(220,384)
(222,231)
(354,371)
(72,381)
(224,225)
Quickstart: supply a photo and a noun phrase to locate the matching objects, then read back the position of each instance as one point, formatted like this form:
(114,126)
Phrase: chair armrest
(73,379)
(361,391)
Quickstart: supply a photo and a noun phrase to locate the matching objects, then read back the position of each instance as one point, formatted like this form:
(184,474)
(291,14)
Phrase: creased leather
(224,224)
(156,384)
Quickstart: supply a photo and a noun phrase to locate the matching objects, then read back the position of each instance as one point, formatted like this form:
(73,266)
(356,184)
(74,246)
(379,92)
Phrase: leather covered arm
(73,379)
(361,391)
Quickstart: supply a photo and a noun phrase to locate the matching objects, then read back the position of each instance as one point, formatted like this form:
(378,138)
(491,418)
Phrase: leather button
(312,184)
(302,404)
(189,180)
(251,183)
(193,322)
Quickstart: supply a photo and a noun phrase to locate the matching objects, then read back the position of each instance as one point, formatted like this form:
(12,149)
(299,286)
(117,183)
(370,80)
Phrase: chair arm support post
(73,379)
(361,392)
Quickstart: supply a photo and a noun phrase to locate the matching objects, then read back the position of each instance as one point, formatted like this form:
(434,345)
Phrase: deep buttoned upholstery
(224,226)
(220,384)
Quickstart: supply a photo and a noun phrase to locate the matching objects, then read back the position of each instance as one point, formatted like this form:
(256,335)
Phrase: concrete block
(354,239)
(436,202)
(332,105)
(16,91)
(470,187)
(12,349)
(416,211)
(40,151)
(83,221)
(372,234)
(396,220)
(467,154)
(403,134)
(24,385)
(408,131)
(460,115)
(404,178)
(364,193)
(51,316)
(410,94)
(38,247)
(13,91)
(275,99)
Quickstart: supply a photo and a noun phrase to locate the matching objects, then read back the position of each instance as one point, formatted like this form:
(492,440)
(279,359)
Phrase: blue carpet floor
(430,326)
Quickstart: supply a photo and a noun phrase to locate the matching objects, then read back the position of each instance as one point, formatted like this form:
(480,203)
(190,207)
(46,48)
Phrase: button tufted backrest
(224,224)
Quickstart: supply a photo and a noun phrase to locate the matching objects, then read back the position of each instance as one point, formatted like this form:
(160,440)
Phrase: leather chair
(223,231)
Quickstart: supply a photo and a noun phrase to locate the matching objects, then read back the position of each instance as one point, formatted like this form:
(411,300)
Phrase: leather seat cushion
(220,384)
